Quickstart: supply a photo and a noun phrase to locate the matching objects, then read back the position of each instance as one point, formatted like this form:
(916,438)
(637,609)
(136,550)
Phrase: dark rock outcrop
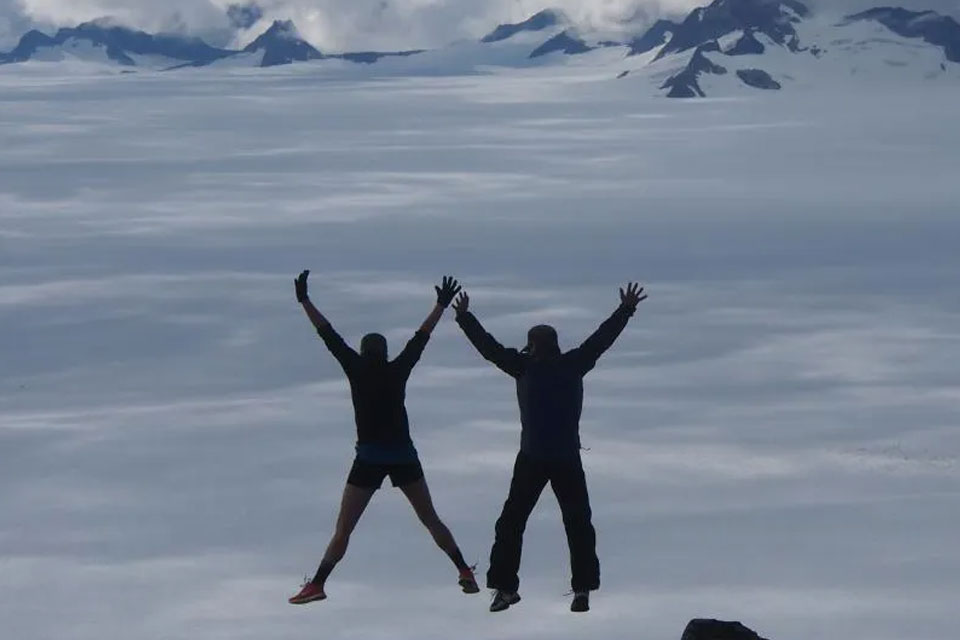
(705,629)
(120,42)
(775,19)
(758,79)
(369,57)
(934,28)
(686,83)
(655,36)
(537,22)
(746,45)
(564,42)
(282,44)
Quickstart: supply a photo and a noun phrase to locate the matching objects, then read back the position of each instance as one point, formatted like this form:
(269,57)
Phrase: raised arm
(509,361)
(603,338)
(340,349)
(446,292)
(414,349)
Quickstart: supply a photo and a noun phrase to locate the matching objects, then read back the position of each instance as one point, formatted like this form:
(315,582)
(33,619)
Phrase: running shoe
(467,581)
(310,592)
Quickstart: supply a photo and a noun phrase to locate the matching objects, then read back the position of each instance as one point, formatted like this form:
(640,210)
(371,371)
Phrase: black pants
(530,476)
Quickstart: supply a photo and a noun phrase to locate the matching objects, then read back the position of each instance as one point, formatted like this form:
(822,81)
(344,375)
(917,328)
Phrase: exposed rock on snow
(537,22)
(936,29)
(685,84)
(722,17)
(282,44)
(656,36)
(120,44)
(746,45)
(758,79)
(706,629)
(564,42)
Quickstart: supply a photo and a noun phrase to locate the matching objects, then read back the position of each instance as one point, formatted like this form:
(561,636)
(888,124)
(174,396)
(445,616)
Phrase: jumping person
(384,447)
(550,393)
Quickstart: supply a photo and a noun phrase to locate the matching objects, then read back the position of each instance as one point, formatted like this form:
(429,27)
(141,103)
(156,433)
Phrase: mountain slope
(537,22)
(933,28)
(660,33)
(564,42)
(281,44)
(722,17)
(119,44)
(771,45)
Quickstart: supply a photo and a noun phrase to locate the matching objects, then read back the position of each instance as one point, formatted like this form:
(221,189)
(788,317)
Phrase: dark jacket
(549,389)
(378,390)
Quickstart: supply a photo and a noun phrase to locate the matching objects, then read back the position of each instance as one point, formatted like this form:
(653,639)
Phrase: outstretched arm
(509,361)
(300,288)
(340,349)
(446,292)
(414,349)
(603,338)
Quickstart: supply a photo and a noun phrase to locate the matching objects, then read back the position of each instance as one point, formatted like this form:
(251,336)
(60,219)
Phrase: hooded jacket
(549,385)
(378,388)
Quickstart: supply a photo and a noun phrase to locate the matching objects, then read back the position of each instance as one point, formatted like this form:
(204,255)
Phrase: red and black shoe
(311,592)
(467,581)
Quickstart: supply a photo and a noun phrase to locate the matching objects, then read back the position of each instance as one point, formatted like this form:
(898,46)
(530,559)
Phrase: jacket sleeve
(509,361)
(344,354)
(411,352)
(587,354)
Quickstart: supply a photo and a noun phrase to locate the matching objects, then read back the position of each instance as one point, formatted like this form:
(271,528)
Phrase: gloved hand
(633,296)
(447,291)
(462,305)
(300,286)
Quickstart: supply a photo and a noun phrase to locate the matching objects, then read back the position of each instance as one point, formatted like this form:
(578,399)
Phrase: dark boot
(503,600)
(581,602)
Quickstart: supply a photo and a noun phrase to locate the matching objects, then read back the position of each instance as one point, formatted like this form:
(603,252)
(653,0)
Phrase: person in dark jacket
(550,393)
(384,447)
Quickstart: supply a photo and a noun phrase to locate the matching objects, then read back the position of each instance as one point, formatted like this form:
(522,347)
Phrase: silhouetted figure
(550,393)
(384,447)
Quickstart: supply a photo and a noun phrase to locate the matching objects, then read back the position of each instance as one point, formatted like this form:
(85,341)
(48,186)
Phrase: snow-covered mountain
(282,44)
(102,41)
(931,27)
(566,42)
(537,22)
(735,45)
(723,48)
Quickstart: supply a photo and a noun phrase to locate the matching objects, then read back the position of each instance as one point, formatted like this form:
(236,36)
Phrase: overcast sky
(355,24)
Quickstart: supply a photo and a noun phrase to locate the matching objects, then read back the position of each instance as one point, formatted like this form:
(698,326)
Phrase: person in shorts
(384,447)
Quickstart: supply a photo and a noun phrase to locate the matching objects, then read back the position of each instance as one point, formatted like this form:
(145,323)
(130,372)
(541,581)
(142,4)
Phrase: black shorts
(369,475)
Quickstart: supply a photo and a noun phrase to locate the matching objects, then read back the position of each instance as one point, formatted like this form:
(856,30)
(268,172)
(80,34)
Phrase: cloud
(331,24)
(335,25)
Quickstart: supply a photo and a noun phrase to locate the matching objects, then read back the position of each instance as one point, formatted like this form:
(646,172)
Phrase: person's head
(373,346)
(542,342)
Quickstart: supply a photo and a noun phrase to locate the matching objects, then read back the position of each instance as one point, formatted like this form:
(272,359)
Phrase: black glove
(633,296)
(300,286)
(447,291)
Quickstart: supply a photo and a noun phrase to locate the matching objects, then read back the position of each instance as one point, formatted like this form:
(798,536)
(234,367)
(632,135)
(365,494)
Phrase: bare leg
(352,506)
(419,496)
